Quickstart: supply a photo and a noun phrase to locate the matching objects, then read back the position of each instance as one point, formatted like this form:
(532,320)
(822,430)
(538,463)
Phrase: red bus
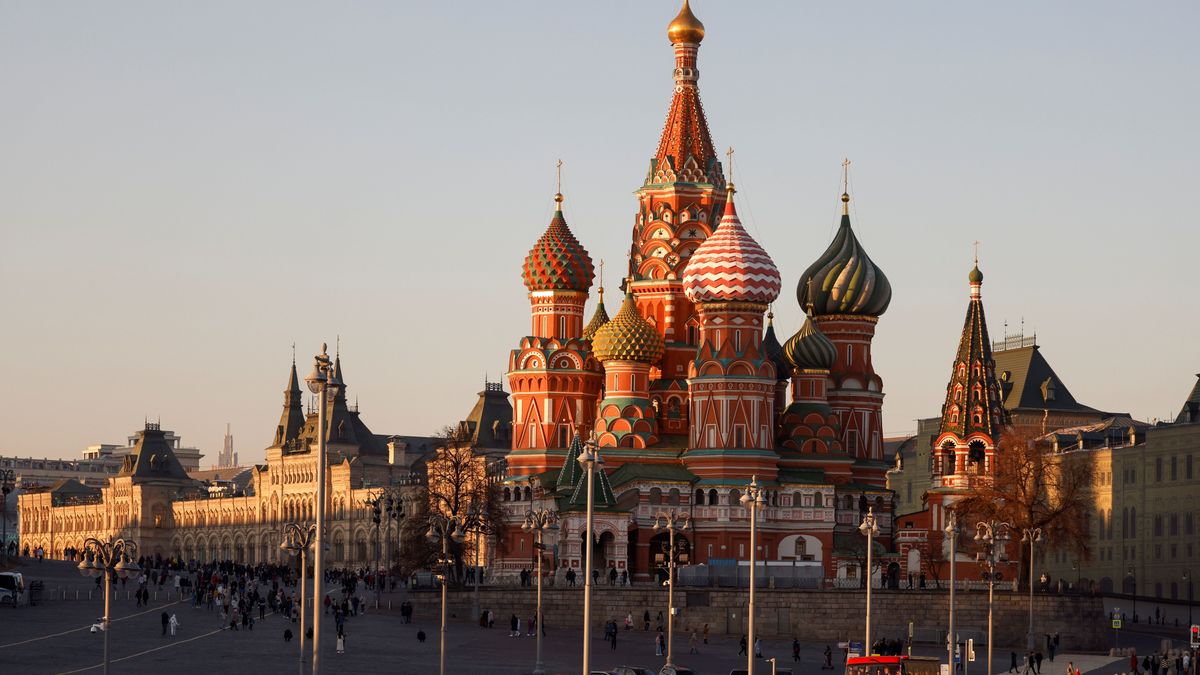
(893,665)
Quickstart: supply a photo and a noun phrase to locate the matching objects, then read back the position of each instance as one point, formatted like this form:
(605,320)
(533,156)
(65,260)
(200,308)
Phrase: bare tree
(460,485)
(1033,488)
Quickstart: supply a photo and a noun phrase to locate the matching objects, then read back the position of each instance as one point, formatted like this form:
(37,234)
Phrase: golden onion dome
(628,337)
(685,27)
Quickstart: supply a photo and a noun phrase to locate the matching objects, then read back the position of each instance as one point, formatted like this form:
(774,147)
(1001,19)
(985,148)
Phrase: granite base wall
(805,614)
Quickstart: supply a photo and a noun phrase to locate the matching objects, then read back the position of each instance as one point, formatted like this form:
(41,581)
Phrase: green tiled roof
(655,472)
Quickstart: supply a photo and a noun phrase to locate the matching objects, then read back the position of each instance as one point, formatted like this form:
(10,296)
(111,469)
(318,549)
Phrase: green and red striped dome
(557,261)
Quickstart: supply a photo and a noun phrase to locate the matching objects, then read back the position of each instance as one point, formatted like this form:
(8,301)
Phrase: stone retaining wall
(806,614)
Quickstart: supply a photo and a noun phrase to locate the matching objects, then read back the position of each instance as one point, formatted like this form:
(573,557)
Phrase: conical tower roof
(569,474)
(973,401)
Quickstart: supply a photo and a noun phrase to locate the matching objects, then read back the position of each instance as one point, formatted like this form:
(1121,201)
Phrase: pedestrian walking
(287,634)
(742,646)
(659,644)
(514,626)
(693,643)
(757,647)
(421,636)
(646,620)
(629,621)
(828,658)
(1012,668)
(613,636)
(795,650)
(173,624)
(166,620)
(1037,662)
(341,643)
(705,633)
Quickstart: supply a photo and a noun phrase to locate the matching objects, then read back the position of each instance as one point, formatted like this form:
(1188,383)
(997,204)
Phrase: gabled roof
(1028,382)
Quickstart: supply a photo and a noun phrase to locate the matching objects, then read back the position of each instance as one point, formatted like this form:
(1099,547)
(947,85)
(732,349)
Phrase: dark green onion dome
(975,277)
(628,337)
(558,262)
(599,318)
(774,351)
(845,280)
(809,349)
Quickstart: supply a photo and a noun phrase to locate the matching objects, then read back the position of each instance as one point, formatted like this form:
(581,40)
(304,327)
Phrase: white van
(12,588)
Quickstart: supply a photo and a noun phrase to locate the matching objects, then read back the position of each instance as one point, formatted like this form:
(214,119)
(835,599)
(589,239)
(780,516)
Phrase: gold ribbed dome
(628,337)
(686,27)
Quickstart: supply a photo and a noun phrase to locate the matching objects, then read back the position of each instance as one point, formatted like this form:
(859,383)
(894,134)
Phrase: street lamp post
(7,478)
(375,501)
(395,513)
(991,536)
(592,462)
(444,528)
(1129,574)
(538,522)
(323,382)
(112,557)
(1031,537)
(297,539)
(752,499)
(1187,578)
(870,528)
(673,521)
(952,531)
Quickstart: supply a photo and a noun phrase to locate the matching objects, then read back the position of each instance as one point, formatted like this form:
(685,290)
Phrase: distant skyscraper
(228,457)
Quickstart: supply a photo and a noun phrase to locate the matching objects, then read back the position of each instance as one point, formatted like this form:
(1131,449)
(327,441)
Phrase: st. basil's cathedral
(685,389)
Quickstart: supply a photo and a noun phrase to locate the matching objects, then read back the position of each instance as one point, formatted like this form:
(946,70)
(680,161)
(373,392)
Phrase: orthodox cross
(729,154)
(558,177)
(977,252)
(846,175)
(602,274)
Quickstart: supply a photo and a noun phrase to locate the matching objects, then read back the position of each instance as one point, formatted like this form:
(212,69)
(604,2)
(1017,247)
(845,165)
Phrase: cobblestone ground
(54,637)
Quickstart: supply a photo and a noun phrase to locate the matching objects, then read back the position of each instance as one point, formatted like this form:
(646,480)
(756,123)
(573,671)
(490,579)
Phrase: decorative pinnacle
(977,253)
(558,183)
(846,187)
(808,306)
(602,279)
(729,188)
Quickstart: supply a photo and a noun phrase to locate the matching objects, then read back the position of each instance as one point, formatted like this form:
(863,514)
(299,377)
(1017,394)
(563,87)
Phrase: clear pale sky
(186,189)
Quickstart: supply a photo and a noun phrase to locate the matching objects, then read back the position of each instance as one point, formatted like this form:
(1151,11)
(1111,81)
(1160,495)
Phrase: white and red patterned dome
(730,266)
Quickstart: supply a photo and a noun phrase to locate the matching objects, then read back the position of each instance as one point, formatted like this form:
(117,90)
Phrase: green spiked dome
(599,318)
(558,262)
(628,337)
(809,349)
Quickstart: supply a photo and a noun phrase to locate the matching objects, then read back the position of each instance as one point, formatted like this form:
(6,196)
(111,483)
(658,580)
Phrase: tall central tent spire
(685,151)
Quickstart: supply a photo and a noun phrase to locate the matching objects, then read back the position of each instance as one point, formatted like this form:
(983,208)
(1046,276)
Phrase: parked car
(12,588)
(676,669)
(632,670)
